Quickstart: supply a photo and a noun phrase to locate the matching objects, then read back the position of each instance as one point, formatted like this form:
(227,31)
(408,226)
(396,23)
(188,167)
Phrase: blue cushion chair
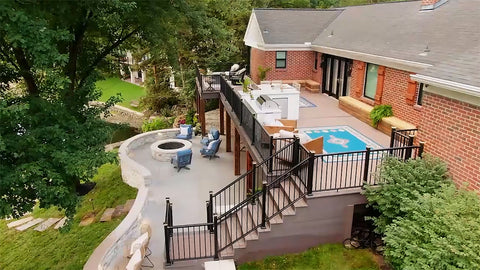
(214,134)
(211,149)
(182,159)
(186,132)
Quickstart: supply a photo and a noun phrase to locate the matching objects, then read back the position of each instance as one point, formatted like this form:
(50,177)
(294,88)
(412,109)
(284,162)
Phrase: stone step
(19,222)
(271,208)
(281,201)
(46,224)
(29,224)
(118,211)
(60,223)
(87,220)
(107,215)
(224,239)
(128,205)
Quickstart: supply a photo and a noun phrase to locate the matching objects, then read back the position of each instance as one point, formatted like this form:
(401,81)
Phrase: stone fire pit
(164,150)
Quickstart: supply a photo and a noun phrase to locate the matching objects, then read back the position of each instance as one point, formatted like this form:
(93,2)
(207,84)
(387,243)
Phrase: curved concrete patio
(187,189)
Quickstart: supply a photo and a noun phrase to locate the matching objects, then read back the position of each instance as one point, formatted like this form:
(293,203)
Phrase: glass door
(336,76)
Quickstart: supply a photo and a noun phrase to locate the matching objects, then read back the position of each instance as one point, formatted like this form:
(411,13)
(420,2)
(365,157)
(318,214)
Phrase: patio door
(336,75)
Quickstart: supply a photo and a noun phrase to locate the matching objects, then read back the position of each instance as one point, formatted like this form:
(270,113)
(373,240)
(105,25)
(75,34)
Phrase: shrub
(157,123)
(380,111)
(190,117)
(401,183)
(441,233)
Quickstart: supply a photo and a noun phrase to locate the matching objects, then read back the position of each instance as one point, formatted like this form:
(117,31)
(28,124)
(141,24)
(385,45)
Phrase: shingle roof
(395,30)
(400,30)
(293,26)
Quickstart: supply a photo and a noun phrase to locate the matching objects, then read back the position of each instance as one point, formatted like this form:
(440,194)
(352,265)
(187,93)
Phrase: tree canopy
(51,139)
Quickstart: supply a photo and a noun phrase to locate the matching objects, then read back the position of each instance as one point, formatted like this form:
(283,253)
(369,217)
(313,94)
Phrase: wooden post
(229,132)
(202,113)
(237,152)
(250,176)
(222,114)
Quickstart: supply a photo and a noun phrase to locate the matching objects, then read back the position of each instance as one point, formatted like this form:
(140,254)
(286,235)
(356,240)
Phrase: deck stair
(236,230)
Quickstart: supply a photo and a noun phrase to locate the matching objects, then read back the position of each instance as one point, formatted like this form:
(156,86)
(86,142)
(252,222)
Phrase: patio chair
(182,159)
(186,132)
(211,150)
(237,76)
(214,134)
(139,251)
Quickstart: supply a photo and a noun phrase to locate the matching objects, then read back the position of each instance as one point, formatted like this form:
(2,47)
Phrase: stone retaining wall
(112,251)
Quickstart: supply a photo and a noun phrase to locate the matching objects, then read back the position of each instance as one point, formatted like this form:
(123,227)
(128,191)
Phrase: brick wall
(257,58)
(394,93)
(299,66)
(451,131)
(395,86)
(317,74)
(357,80)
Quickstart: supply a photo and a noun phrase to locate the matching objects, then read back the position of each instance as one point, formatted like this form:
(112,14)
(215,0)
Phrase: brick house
(421,57)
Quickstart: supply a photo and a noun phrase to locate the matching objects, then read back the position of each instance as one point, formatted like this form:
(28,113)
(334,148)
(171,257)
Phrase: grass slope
(52,249)
(129,91)
(324,257)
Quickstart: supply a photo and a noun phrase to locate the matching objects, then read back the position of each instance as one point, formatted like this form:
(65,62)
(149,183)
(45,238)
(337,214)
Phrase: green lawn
(323,257)
(129,91)
(52,249)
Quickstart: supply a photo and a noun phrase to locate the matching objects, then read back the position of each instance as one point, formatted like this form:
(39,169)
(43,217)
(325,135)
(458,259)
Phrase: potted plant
(262,72)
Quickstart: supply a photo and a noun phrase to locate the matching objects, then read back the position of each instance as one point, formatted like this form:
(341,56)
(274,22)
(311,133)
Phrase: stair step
(281,200)
(271,208)
(235,230)
(256,213)
(224,238)
(292,191)
(247,223)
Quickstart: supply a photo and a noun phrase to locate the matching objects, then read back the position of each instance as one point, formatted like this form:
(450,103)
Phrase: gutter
(406,65)
(449,85)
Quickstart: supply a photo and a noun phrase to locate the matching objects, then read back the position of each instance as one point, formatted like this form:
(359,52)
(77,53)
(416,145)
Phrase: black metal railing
(190,241)
(402,137)
(255,131)
(244,186)
(263,206)
(208,83)
(355,169)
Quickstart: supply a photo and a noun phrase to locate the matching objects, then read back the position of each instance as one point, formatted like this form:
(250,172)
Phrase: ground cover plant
(128,92)
(53,249)
(323,257)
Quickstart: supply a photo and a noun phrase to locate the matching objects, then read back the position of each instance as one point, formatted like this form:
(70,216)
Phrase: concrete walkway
(327,113)
(187,189)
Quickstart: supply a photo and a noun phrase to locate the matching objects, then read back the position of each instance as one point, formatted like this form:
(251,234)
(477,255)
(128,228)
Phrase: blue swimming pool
(338,139)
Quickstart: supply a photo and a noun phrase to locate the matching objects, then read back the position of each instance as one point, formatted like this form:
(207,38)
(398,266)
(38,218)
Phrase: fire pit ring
(164,150)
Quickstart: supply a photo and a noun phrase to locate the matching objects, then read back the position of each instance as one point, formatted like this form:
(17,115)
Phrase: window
(371,76)
(315,64)
(281,59)
(420,94)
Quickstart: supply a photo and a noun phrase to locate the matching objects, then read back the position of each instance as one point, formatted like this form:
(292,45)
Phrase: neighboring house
(421,57)
(136,75)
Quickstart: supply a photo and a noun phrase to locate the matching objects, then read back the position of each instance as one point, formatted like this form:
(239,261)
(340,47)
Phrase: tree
(51,140)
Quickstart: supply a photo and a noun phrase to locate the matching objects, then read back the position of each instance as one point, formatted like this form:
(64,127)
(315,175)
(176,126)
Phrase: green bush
(401,183)
(190,118)
(442,231)
(157,123)
(380,111)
